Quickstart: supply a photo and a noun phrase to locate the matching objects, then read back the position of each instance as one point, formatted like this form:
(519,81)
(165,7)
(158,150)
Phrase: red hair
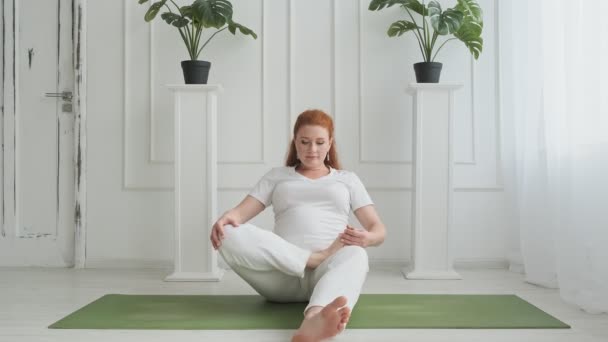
(314,117)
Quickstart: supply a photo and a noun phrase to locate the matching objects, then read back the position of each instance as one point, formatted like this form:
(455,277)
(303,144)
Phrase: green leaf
(212,13)
(186,11)
(475,46)
(434,9)
(446,22)
(472,26)
(142,1)
(174,19)
(470,8)
(377,5)
(470,34)
(400,27)
(416,6)
(469,30)
(153,10)
(190,13)
(232,27)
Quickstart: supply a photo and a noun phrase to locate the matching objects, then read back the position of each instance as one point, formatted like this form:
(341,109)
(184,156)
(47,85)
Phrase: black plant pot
(196,72)
(427,72)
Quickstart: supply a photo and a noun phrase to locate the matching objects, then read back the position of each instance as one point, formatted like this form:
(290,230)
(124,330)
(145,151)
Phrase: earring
(327,156)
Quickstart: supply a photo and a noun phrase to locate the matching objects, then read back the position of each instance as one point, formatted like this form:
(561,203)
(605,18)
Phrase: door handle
(65,95)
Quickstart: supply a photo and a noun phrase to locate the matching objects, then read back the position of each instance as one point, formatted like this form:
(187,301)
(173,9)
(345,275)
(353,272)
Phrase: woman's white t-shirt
(310,213)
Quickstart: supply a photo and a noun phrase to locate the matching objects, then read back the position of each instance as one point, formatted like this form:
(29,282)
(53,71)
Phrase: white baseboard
(516,261)
(517,268)
(431,275)
(482,263)
(128,263)
(195,276)
(497,263)
(33,252)
(388,262)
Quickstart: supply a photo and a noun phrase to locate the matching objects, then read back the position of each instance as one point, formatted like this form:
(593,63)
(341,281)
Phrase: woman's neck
(303,168)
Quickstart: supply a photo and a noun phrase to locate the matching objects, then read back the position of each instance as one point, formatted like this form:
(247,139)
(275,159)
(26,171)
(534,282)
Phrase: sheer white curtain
(554,102)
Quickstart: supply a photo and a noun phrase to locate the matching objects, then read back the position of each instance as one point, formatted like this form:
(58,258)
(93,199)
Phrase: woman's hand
(245,211)
(217,232)
(355,237)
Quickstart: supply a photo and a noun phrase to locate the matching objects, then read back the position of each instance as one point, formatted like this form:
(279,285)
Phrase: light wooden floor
(31,299)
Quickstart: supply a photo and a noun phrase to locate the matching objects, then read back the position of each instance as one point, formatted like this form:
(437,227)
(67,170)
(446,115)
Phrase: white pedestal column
(432,208)
(195,182)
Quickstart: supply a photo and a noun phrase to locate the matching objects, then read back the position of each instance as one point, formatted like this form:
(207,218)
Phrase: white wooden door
(38,134)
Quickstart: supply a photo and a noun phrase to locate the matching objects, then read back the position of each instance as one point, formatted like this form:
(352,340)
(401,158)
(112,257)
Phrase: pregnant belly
(311,229)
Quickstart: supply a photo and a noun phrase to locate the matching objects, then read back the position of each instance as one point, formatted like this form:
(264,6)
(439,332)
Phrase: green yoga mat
(373,311)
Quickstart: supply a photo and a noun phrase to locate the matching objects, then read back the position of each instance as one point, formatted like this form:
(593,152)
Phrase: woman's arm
(374,233)
(243,212)
(249,208)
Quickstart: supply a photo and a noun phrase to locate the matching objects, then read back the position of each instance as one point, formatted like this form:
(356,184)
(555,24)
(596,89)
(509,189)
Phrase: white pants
(276,269)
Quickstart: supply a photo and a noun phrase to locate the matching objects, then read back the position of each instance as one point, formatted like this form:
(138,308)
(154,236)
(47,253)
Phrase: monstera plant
(463,22)
(191,20)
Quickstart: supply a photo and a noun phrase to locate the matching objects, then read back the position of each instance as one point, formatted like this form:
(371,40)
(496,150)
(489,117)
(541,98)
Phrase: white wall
(332,55)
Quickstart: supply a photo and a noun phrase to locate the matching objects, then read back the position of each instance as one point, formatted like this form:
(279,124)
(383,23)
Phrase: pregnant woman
(313,255)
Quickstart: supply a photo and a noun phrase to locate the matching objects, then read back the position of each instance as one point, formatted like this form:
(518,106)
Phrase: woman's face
(312,145)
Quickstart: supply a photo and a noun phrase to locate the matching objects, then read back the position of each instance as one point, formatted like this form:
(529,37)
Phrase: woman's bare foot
(316,258)
(329,322)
